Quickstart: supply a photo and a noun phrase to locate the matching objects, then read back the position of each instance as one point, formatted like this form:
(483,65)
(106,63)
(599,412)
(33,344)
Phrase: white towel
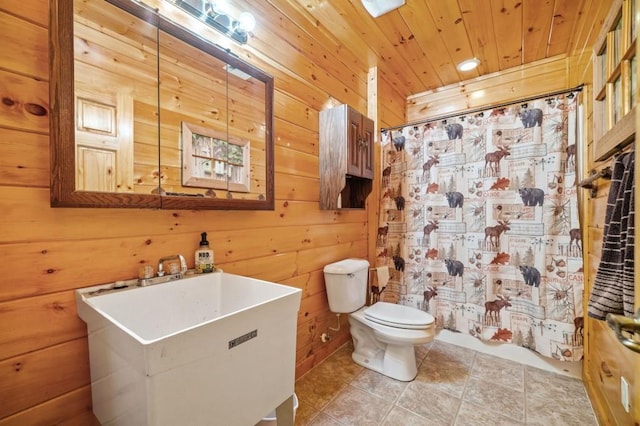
(382,273)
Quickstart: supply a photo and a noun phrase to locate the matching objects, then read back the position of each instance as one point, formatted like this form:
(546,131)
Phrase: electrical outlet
(624,393)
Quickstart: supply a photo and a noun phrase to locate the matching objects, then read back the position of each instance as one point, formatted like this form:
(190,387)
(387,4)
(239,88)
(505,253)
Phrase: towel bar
(588,183)
(620,324)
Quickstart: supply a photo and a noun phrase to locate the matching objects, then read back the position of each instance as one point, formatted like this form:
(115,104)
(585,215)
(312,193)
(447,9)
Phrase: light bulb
(247,21)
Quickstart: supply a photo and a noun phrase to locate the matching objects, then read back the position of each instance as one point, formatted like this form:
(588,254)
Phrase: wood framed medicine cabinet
(124,83)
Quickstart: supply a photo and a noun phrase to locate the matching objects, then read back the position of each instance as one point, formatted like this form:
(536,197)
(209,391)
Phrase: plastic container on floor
(271,420)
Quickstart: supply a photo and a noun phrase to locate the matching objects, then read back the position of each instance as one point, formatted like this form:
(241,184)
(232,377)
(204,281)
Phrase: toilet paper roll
(382,272)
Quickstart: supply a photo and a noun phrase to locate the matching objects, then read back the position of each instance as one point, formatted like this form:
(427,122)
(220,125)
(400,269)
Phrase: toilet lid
(399,316)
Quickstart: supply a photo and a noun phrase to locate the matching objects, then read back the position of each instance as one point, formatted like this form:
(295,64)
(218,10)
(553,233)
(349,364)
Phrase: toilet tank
(346,283)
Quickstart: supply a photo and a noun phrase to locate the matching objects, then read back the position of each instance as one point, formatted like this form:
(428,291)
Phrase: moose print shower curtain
(479,224)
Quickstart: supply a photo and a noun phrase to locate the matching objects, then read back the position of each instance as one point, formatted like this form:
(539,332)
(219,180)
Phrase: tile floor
(455,386)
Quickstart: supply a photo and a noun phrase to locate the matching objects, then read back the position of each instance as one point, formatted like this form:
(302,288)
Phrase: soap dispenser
(204,256)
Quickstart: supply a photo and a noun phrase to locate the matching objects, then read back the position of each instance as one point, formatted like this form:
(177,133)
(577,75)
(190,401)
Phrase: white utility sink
(210,349)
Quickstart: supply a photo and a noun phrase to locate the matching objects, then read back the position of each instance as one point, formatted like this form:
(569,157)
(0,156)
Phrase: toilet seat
(398,316)
(395,335)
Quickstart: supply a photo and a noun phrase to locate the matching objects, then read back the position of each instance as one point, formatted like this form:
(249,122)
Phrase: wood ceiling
(417,46)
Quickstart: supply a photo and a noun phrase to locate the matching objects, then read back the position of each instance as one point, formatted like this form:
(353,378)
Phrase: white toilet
(384,334)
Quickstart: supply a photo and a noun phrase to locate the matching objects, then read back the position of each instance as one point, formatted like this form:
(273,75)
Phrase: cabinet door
(359,145)
(354,138)
(366,150)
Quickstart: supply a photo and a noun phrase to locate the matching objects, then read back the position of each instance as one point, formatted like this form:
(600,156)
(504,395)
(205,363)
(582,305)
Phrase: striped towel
(613,287)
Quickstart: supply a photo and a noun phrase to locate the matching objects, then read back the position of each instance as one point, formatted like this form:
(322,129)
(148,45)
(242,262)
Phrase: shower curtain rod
(472,111)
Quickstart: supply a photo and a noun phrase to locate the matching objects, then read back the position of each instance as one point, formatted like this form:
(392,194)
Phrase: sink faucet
(179,257)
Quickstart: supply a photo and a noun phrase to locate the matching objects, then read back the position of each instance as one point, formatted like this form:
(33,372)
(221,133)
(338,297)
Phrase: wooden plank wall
(605,359)
(47,253)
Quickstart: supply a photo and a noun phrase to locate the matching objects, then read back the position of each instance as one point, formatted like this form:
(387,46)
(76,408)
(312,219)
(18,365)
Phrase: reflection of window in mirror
(209,161)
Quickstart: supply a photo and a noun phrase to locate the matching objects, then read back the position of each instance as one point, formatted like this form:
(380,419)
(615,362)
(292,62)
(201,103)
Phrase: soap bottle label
(204,261)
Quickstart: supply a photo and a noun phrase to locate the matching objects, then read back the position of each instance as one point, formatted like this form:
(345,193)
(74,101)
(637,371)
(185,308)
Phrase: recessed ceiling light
(468,65)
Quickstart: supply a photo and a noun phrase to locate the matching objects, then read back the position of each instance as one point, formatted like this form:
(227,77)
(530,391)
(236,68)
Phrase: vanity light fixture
(215,14)
(380,7)
(468,65)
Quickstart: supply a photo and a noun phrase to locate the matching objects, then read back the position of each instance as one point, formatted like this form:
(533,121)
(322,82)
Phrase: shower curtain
(479,224)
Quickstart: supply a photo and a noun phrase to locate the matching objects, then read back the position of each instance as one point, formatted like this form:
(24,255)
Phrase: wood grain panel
(33,220)
(394,26)
(425,33)
(19,34)
(535,15)
(296,162)
(310,283)
(298,138)
(36,377)
(607,363)
(39,322)
(477,16)
(313,259)
(297,188)
(25,103)
(349,23)
(507,22)
(72,408)
(310,330)
(391,111)
(283,266)
(448,15)
(586,32)
(31,11)
(598,205)
(314,356)
(309,57)
(64,265)
(564,25)
(17,169)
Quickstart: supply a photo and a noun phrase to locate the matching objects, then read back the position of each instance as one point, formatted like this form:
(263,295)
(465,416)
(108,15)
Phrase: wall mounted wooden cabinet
(615,81)
(126,84)
(346,158)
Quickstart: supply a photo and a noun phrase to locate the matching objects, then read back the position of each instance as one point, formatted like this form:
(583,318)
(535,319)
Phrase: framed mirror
(145,113)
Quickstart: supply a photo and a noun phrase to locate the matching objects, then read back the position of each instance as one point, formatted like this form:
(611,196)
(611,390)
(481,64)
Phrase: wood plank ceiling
(417,46)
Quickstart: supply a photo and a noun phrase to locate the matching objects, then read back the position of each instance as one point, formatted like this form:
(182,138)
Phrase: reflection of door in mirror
(104,141)
(116,136)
